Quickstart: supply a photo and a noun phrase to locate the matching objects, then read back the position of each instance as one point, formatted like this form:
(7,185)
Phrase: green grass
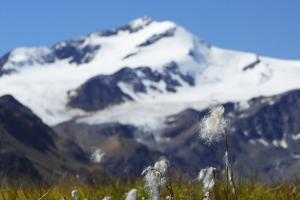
(182,191)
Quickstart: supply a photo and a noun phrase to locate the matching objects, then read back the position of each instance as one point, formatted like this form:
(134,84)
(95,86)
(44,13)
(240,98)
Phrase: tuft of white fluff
(212,126)
(163,167)
(74,194)
(206,175)
(156,177)
(153,182)
(169,197)
(97,155)
(132,195)
(107,198)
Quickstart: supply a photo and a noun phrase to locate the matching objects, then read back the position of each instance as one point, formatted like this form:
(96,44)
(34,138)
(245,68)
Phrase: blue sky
(267,27)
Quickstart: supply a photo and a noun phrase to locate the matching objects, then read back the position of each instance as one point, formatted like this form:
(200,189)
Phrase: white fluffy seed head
(169,197)
(212,126)
(97,155)
(206,176)
(163,167)
(156,177)
(74,194)
(153,182)
(107,198)
(132,195)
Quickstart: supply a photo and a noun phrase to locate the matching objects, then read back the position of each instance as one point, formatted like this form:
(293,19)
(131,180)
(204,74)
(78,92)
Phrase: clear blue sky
(267,27)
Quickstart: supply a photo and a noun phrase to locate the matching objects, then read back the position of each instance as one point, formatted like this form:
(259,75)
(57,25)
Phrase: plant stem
(227,171)
(227,168)
(170,188)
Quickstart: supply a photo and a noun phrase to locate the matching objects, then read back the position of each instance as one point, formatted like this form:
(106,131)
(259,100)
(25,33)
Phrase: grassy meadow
(117,190)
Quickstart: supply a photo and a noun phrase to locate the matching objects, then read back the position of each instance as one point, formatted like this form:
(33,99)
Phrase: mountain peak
(140,22)
(57,72)
(84,49)
(9,102)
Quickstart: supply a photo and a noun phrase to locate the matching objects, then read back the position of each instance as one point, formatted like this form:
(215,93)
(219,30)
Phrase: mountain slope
(218,75)
(119,151)
(145,86)
(264,138)
(31,149)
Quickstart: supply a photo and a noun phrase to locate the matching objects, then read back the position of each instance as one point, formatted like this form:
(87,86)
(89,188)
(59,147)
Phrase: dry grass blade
(44,195)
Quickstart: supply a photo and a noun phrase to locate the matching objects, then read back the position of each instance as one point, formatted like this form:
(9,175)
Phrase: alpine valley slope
(152,75)
(31,150)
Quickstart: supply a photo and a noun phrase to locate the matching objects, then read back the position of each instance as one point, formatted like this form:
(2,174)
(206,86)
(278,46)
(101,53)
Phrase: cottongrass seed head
(156,177)
(74,194)
(163,167)
(152,182)
(207,177)
(107,198)
(132,195)
(212,126)
(97,156)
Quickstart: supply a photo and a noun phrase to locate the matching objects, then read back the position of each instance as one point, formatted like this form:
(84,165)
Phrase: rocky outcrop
(106,90)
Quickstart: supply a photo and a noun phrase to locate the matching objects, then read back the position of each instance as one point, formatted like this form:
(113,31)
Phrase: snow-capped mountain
(138,92)
(153,69)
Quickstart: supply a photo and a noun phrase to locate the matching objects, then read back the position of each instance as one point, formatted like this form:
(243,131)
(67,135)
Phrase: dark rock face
(272,117)
(75,51)
(132,28)
(98,93)
(197,47)
(130,76)
(173,69)
(129,28)
(252,65)
(22,124)
(253,135)
(6,71)
(29,149)
(156,37)
(3,60)
(104,90)
(130,55)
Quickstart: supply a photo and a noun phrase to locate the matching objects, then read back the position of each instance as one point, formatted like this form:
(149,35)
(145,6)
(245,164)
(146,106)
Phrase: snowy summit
(153,69)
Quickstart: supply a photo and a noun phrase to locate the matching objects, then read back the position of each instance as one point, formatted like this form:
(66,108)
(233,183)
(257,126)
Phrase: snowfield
(220,75)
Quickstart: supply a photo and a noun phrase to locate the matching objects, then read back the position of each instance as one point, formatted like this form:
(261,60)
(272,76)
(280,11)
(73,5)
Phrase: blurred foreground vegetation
(247,190)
